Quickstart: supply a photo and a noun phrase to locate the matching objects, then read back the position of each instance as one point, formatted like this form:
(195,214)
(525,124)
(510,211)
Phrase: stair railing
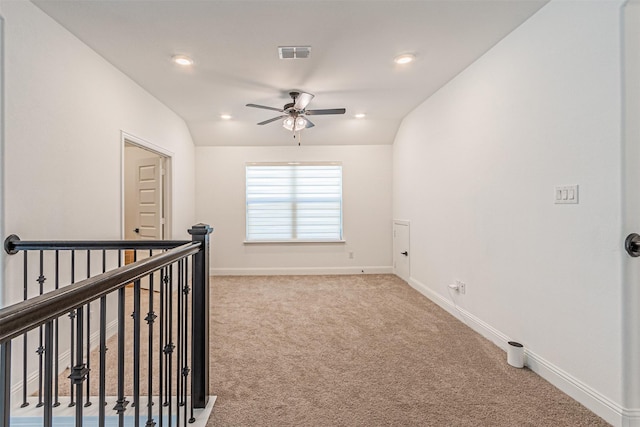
(58,321)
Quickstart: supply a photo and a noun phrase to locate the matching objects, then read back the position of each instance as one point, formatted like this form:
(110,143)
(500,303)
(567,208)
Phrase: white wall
(541,109)
(220,184)
(65,109)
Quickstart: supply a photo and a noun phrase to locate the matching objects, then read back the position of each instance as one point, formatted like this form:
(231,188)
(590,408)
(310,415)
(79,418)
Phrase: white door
(401,255)
(148,205)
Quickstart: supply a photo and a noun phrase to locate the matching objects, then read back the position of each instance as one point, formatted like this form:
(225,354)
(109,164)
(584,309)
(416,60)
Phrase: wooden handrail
(27,315)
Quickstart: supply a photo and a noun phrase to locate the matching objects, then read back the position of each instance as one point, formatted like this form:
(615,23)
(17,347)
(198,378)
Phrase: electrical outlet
(351,255)
(462,287)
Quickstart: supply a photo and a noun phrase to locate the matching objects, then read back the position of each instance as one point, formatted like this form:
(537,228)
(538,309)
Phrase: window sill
(260,242)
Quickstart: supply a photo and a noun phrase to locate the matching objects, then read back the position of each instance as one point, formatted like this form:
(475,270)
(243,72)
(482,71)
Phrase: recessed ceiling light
(182,60)
(360,115)
(225,116)
(404,58)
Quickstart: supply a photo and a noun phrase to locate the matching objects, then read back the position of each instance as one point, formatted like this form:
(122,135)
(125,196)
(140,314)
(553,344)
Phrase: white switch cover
(566,194)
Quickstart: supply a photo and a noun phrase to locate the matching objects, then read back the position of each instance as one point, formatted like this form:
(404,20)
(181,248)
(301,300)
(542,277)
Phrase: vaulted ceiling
(234,44)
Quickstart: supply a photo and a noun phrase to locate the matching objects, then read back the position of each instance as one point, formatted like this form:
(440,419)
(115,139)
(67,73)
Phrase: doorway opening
(146,189)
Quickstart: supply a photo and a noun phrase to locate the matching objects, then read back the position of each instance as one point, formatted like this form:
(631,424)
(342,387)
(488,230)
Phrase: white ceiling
(234,45)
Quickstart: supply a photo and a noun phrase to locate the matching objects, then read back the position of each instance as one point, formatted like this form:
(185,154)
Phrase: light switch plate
(566,194)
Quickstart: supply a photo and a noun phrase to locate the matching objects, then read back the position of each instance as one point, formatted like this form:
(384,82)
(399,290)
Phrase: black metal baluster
(80,370)
(5,383)
(183,347)
(179,343)
(186,329)
(88,401)
(121,403)
(136,351)
(40,350)
(161,348)
(167,339)
(72,317)
(56,357)
(183,352)
(179,336)
(102,400)
(171,346)
(151,317)
(48,374)
(24,339)
(166,336)
(136,396)
(163,397)
(188,353)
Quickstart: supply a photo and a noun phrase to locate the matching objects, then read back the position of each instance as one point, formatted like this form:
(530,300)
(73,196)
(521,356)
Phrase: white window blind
(294,202)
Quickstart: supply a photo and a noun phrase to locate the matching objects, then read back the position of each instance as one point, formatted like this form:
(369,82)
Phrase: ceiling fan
(294,112)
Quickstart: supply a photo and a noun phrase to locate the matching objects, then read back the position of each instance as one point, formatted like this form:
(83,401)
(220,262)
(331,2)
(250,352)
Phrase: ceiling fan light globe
(288,123)
(301,123)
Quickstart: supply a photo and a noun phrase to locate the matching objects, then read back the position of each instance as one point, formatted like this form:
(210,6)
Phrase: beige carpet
(363,350)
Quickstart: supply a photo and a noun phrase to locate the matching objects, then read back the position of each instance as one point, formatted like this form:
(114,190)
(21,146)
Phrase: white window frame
(295,240)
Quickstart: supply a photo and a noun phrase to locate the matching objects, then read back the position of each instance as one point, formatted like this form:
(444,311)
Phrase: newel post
(200,339)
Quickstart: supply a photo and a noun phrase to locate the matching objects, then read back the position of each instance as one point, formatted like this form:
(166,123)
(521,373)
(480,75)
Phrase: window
(289,202)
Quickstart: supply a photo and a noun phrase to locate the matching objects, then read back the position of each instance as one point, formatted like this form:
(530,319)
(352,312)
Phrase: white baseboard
(601,405)
(596,402)
(484,329)
(299,271)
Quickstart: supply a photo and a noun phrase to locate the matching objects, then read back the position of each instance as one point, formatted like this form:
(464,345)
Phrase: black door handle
(405,253)
(136,230)
(632,244)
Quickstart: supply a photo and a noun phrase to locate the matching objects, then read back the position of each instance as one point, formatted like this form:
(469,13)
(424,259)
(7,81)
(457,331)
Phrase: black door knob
(405,253)
(136,230)
(632,244)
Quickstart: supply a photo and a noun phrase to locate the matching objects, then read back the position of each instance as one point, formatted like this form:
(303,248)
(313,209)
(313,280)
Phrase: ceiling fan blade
(302,100)
(265,107)
(326,111)
(309,124)
(272,120)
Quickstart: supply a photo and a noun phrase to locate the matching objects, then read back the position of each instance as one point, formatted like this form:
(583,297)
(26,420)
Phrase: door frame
(631,201)
(126,138)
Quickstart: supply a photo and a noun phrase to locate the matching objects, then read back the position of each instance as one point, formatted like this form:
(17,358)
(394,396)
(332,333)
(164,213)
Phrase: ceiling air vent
(294,52)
